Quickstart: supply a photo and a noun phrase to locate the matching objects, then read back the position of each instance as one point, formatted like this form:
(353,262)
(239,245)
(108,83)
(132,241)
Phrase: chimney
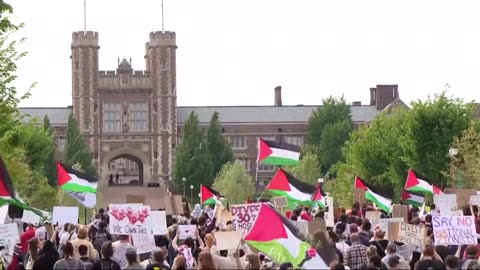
(357,103)
(373,93)
(278,96)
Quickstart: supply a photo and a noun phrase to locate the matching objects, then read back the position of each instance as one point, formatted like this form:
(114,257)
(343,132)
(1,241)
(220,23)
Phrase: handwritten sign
(9,231)
(446,203)
(329,215)
(475,199)
(244,216)
(280,202)
(187,231)
(129,219)
(228,240)
(144,243)
(454,230)
(373,217)
(408,233)
(400,211)
(158,222)
(64,215)
(384,224)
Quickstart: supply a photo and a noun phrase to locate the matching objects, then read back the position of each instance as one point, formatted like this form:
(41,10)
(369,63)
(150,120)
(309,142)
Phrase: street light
(452,152)
(184,180)
(320,180)
(191,193)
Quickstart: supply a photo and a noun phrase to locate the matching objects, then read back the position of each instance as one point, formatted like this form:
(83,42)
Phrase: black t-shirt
(429,264)
(105,264)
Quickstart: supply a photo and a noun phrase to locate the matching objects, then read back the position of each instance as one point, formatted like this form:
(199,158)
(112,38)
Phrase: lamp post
(452,152)
(191,193)
(184,180)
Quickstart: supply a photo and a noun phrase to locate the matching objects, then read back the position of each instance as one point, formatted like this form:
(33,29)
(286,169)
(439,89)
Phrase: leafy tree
(430,129)
(234,183)
(76,151)
(192,157)
(50,163)
(328,129)
(308,170)
(219,148)
(464,167)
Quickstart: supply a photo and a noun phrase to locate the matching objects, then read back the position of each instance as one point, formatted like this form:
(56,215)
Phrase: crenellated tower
(85,95)
(161,63)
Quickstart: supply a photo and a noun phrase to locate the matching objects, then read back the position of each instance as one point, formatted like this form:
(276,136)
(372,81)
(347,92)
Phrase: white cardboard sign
(64,215)
(244,216)
(128,219)
(144,243)
(454,230)
(187,231)
(9,231)
(158,220)
(446,203)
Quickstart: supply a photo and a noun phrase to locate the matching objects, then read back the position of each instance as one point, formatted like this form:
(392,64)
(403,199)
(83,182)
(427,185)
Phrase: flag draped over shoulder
(78,185)
(319,197)
(7,191)
(279,239)
(209,195)
(296,191)
(416,184)
(382,202)
(280,154)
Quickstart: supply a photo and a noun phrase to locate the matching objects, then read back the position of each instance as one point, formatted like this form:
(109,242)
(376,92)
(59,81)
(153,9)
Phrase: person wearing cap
(132,259)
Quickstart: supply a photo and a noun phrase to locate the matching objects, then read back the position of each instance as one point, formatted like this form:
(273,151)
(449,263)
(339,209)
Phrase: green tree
(464,167)
(192,157)
(76,151)
(234,183)
(430,129)
(308,170)
(50,163)
(328,128)
(219,148)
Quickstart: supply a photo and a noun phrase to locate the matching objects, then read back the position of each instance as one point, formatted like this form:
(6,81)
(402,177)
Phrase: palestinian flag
(419,185)
(75,181)
(319,198)
(208,195)
(280,154)
(413,198)
(8,195)
(280,240)
(383,203)
(296,191)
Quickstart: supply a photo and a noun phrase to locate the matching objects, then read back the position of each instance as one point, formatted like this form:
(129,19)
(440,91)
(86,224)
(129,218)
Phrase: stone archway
(125,169)
(130,156)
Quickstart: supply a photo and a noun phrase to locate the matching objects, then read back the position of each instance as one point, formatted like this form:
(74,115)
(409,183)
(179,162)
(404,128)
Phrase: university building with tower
(131,121)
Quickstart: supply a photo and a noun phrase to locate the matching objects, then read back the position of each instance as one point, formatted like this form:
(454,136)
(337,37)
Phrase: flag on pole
(319,197)
(297,192)
(416,184)
(78,185)
(413,198)
(280,154)
(382,202)
(209,195)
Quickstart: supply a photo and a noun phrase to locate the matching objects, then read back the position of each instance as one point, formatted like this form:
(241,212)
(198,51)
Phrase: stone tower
(161,62)
(85,95)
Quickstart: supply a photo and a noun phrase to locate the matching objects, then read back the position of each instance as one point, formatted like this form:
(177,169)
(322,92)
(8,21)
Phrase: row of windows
(112,117)
(240,142)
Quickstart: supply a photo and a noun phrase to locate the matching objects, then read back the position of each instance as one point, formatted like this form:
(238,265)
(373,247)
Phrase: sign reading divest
(454,230)
(410,234)
(244,216)
(129,219)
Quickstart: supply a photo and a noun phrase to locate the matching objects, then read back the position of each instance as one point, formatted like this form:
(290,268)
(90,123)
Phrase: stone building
(132,123)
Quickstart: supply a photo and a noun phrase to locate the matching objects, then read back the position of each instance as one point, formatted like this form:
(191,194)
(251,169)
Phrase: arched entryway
(125,169)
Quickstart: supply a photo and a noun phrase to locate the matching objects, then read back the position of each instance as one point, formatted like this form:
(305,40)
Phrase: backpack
(100,238)
(106,264)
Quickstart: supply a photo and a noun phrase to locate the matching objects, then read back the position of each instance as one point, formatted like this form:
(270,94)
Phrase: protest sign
(359,195)
(280,202)
(228,240)
(302,226)
(408,233)
(64,215)
(316,225)
(129,219)
(158,220)
(329,215)
(244,216)
(446,203)
(454,230)
(9,231)
(187,231)
(475,199)
(384,224)
(144,243)
(463,195)
(373,217)
(400,211)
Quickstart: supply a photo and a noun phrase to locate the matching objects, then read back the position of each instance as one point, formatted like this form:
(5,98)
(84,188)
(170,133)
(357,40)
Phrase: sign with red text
(244,216)
(454,230)
(129,219)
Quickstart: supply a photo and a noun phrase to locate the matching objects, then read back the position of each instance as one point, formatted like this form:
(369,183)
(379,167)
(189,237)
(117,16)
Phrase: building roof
(228,114)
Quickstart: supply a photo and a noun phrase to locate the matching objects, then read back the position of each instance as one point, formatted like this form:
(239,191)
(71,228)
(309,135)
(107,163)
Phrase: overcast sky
(236,52)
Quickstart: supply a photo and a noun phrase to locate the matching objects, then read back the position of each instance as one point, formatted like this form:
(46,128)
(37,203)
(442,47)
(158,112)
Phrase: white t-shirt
(66,237)
(119,250)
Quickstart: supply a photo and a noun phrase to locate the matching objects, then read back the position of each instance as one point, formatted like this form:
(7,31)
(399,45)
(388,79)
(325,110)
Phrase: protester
(68,261)
(82,240)
(356,254)
(26,236)
(106,262)
(132,259)
(84,257)
(119,250)
(48,255)
(33,249)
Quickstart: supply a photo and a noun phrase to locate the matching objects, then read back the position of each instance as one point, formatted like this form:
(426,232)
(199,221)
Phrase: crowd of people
(358,245)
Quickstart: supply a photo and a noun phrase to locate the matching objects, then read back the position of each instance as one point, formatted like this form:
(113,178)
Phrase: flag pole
(85,16)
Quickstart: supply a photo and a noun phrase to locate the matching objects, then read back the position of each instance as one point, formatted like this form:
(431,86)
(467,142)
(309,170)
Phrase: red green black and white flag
(297,192)
(319,197)
(279,154)
(382,202)
(416,184)
(413,198)
(208,195)
(78,185)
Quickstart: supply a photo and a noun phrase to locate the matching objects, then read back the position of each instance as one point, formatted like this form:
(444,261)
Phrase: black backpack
(100,238)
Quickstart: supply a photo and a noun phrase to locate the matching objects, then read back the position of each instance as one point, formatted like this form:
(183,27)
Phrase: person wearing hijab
(48,256)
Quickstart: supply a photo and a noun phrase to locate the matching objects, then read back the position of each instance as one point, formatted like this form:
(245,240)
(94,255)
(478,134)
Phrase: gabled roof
(228,114)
